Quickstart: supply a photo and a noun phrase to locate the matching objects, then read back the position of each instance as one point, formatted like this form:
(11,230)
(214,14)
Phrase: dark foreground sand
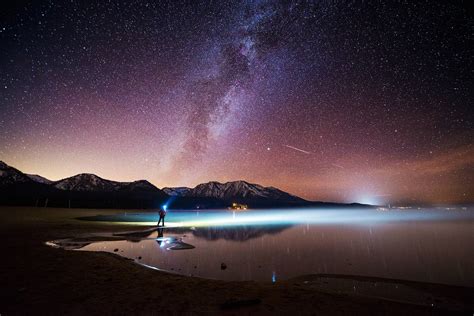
(36,279)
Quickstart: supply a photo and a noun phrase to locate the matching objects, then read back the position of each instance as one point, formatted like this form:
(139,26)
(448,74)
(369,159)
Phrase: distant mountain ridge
(237,191)
(86,182)
(176,191)
(10,175)
(91,182)
(38,178)
(89,190)
(82,190)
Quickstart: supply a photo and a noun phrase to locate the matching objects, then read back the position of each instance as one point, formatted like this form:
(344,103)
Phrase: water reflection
(421,249)
(160,239)
(241,233)
(171,243)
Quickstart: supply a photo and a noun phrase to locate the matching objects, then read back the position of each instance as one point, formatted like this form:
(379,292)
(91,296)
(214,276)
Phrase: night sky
(339,102)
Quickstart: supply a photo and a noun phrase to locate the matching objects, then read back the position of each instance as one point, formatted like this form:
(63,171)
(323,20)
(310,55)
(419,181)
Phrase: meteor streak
(297,149)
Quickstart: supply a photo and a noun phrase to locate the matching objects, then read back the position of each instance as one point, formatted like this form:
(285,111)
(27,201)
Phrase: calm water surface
(428,246)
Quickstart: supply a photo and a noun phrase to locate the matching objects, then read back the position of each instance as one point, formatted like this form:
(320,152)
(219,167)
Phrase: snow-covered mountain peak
(10,175)
(176,191)
(39,179)
(140,185)
(86,182)
(233,190)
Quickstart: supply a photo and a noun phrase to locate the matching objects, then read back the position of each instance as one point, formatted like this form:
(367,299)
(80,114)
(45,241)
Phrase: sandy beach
(39,279)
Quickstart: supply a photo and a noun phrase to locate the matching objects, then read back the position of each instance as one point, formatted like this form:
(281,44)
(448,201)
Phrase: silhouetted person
(162,217)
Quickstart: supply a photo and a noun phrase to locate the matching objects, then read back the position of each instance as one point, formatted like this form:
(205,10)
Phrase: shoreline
(69,243)
(85,282)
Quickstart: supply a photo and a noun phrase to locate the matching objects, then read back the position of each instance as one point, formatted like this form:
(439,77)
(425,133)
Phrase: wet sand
(37,279)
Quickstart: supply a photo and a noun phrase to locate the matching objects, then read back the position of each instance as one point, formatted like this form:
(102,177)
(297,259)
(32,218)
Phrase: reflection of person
(160,236)
(162,217)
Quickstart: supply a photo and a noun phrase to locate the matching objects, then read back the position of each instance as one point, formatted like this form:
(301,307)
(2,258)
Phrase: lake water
(430,245)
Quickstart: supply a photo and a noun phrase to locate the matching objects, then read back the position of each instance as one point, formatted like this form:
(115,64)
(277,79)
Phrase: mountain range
(91,191)
(237,191)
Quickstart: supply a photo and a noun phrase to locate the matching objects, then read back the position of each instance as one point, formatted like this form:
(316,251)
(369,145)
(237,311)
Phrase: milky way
(330,101)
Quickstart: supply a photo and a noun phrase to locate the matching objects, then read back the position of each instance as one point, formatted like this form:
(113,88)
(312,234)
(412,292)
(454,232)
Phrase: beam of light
(224,218)
(168,202)
(367,199)
(298,149)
